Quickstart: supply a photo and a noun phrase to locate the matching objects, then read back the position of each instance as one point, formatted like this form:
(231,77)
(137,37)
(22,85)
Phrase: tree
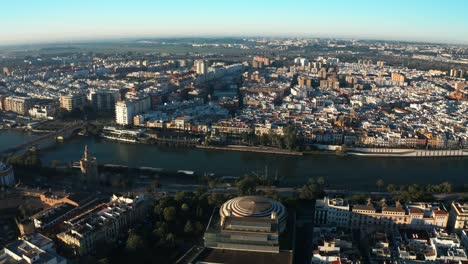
(185,208)
(169,213)
(199,212)
(188,228)
(160,230)
(445,187)
(380,183)
(170,240)
(391,188)
(214,199)
(321,181)
(61,113)
(311,190)
(134,242)
(247,186)
(264,139)
(104,260)
(199,227)
(290,137)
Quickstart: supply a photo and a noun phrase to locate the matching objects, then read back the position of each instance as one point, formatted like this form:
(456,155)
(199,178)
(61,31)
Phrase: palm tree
(380,183)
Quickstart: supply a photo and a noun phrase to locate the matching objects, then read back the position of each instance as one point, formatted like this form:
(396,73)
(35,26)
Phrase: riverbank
(348,172)
(253,149)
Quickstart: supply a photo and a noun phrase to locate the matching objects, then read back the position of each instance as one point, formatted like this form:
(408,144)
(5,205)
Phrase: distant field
(118,47)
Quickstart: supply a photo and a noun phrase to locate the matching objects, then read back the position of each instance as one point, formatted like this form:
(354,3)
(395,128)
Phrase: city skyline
(52,21)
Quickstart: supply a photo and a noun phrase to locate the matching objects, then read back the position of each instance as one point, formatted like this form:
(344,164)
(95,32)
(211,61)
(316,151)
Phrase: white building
(201,67)
(332,212)
(301,61)
(42,112)
(7,177)
(327,252)
(458,217)
(126,110)
(34,249)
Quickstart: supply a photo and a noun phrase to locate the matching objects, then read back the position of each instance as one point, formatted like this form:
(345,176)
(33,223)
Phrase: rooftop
(210,255)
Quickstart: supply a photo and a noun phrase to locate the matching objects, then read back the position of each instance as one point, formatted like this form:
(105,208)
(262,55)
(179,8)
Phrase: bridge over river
(44,140)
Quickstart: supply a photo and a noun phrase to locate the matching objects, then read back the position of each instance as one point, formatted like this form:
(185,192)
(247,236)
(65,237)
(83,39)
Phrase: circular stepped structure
(255,207)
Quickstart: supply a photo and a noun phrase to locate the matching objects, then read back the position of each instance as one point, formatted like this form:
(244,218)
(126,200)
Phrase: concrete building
(304,81)
(17,104)
(201,67)
(332,212)
(249,223)
(102,223)
(458,216)
(246,228)
(126,110)
(338,212)
(34,249)
(260,62)
(7,176)
(103,100)
(428,215)
(53,215)
(42,111)
(398,77)
(72,101)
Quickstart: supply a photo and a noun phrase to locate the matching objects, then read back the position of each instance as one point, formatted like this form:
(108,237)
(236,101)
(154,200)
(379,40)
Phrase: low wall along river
(346,172)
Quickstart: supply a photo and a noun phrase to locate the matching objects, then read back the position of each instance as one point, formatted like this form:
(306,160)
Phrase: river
(341,172)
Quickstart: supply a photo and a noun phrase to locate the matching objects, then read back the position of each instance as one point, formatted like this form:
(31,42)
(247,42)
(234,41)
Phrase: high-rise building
(453,72)
(2,102)
(7,177)
(301,61)
(380,63)
(126,110)
(260,61)
(17,104)
(201,67)
(6,71)
(304,81)
(104,100)
(398,77)
(72,101)
(457,73)
(322,74)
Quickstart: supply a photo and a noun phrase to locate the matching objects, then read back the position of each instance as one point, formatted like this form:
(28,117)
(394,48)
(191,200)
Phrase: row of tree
(174,224)
(289,140)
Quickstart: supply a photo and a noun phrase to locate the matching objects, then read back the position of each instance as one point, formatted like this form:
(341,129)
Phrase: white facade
(35,249)
(332,212)
(126,110)
(458,218)
(202,67)
(42,112)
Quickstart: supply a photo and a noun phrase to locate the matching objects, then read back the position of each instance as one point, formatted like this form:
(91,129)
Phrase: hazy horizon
(48,22)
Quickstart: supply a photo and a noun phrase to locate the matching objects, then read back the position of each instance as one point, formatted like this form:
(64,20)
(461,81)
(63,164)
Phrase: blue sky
(28,21)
